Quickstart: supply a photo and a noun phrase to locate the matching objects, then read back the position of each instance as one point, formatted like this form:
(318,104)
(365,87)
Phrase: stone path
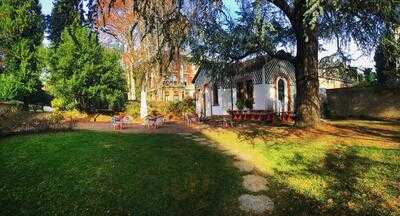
(254,183)
(257,204)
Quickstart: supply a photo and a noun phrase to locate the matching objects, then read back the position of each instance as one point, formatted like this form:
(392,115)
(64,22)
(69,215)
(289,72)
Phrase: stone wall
(374,103)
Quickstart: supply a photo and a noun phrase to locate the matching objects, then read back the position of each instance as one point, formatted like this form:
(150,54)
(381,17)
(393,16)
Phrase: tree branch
(284,6)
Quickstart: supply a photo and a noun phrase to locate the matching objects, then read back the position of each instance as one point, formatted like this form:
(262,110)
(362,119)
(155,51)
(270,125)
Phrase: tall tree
(151,33)
(387,60)
(83,75)
(121,22)
(64,13)
(301,24)
(21,33)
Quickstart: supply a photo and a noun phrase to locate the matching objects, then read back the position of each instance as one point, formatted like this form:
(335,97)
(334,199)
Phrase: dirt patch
(169,128)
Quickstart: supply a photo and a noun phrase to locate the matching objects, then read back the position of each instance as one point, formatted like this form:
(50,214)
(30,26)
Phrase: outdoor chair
(154,122)
(191,118)
(125,121)
(116,123)
(227,122)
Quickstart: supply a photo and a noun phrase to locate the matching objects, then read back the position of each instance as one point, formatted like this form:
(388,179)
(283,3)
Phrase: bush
(24,121)
(180,108)
(133,109)
(240,104)
(87,77)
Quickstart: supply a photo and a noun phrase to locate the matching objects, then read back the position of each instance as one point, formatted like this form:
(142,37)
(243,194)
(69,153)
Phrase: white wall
(208,102)
(224,102)
(265,98)
(260,96)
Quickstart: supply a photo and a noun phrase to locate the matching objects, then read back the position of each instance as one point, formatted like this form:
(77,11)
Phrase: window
(215,95)
(245,90)
(249,90)
(240,91)
(281,90)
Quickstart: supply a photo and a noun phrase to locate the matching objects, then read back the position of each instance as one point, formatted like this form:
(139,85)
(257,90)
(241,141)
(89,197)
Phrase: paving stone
(185,134)
(254,183)
(243,166)
(256,203)
(204,143)
(200,140)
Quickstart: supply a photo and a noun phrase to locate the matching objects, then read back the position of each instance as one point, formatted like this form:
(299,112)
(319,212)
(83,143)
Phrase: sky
(361,59)
(47,6)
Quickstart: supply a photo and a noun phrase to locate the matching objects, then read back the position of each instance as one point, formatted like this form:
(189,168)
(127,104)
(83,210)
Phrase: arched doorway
(282,95)
(281,90)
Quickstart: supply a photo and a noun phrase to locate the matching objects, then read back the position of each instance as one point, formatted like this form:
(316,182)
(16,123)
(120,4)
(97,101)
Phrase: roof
(252,66)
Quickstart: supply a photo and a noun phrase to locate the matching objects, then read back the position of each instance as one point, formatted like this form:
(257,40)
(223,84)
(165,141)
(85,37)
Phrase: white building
(270,84)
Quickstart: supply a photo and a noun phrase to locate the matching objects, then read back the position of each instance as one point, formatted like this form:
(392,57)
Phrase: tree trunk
(143,99)
(307,83)
(231,84)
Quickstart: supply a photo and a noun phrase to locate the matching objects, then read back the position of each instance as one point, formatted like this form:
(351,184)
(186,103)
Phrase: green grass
(351,169)
(325,174)
(88,173)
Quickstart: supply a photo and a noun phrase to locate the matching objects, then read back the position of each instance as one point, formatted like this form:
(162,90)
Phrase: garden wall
(374,103)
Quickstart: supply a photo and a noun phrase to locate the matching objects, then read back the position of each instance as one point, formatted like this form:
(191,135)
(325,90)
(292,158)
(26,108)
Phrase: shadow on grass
(252,132)
(344,172)
(92,173)
(267,133)
(373,132)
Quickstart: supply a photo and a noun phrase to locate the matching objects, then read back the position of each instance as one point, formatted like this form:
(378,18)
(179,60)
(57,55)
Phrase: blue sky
(47,6)
(361,60)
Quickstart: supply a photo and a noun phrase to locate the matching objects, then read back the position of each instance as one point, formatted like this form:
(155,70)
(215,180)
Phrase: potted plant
(240,104)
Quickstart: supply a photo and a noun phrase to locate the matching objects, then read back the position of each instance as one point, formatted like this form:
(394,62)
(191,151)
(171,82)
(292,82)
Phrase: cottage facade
(269,85)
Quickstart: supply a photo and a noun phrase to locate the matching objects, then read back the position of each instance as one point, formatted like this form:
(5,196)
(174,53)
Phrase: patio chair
(116,123)
(160,121)
(125,121)
(153,122)
(227,122)
(191,118)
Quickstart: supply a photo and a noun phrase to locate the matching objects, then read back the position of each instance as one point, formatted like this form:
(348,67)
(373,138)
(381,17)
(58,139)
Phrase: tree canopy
(21,33)
(264,25)
(64,13)
(83,75)
(387,60)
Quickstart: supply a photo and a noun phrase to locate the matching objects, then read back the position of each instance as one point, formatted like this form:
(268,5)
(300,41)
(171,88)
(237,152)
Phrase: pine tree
(83,75)
(21,34)
(64,13)
(386,61)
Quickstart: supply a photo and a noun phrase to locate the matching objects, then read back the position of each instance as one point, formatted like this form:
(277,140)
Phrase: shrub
(87,77)
(180,108)
(133,109)
(240,104)
(24,121)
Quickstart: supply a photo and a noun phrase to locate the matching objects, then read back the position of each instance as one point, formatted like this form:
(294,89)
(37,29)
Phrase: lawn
(89,173)
(341,168)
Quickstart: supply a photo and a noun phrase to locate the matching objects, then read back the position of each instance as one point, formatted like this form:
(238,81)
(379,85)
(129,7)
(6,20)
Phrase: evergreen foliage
(64,13)
(21,33)
(387,61)
(83,75)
